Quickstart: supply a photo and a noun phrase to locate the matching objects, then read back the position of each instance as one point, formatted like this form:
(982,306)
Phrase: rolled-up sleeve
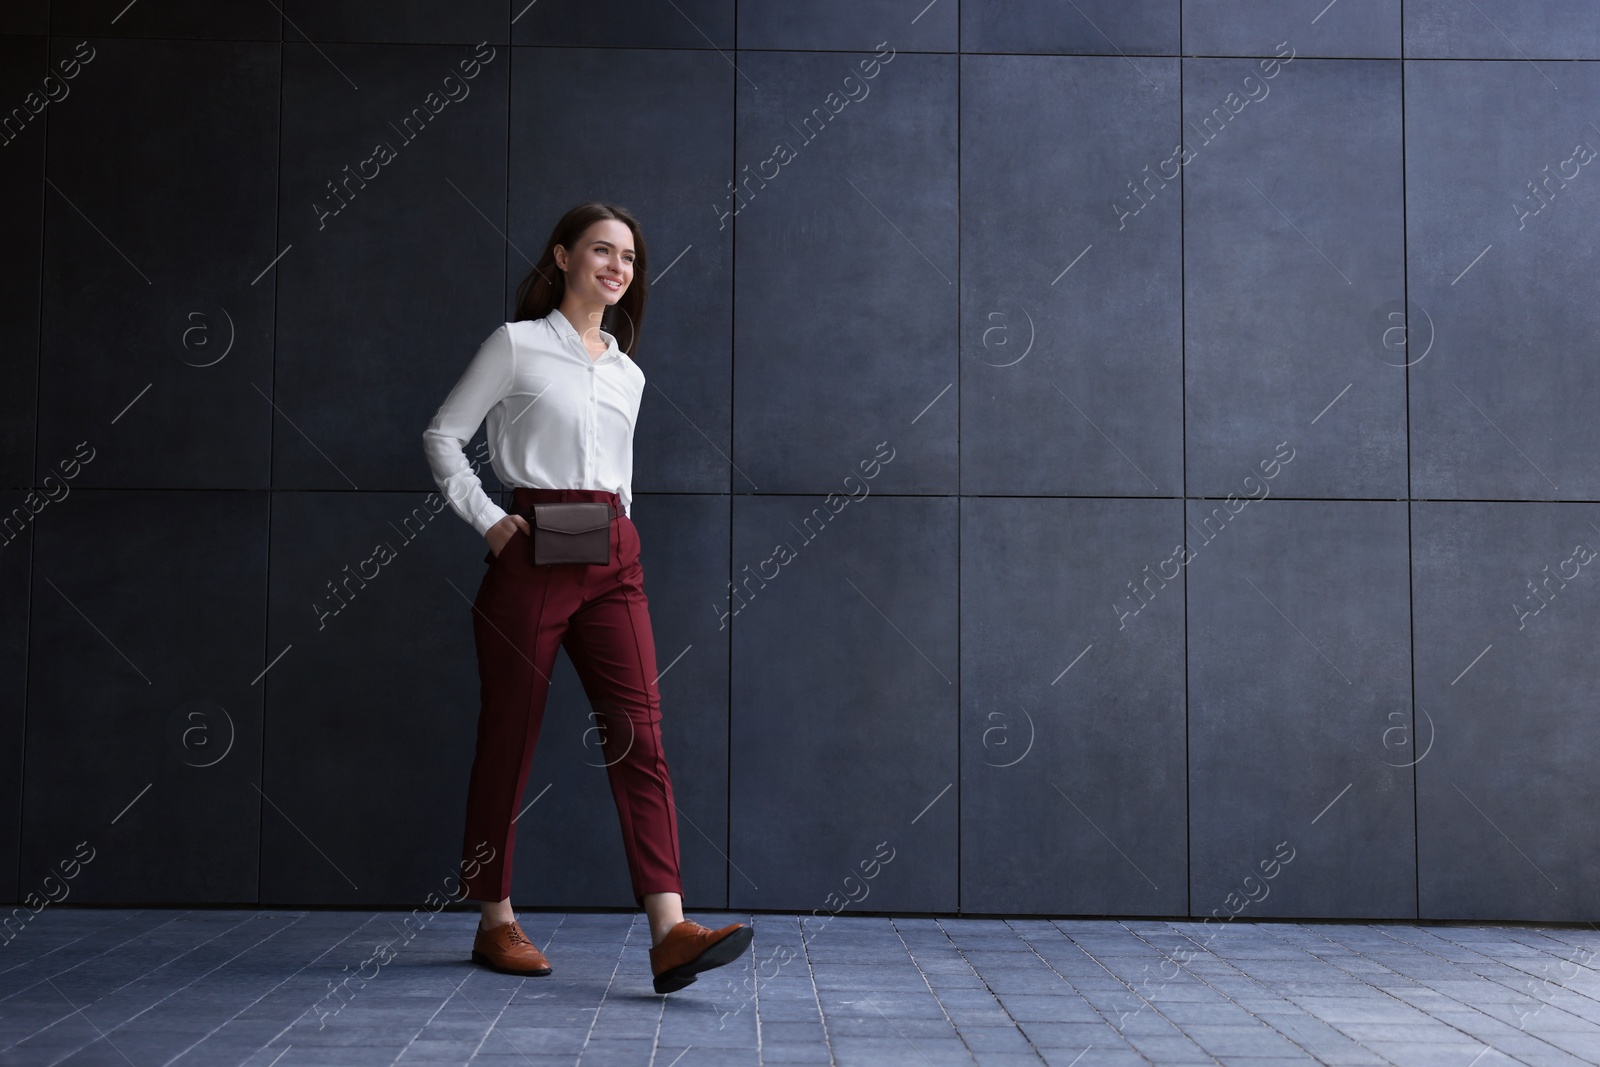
(486,381)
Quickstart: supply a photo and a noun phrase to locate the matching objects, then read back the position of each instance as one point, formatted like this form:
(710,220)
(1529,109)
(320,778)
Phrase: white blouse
(558,419)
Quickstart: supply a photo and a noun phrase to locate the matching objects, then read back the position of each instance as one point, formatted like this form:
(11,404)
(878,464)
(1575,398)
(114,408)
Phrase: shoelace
(515,935)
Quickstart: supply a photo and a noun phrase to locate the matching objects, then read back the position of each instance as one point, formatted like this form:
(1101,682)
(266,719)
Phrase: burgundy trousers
(599,614)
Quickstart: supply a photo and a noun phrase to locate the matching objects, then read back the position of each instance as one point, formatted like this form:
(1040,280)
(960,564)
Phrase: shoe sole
(480,958)
(725,951)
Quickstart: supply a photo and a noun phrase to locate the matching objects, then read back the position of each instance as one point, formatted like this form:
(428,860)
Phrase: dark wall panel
(144,704)
(1293,250)
(1502,226)
(1369,29)
(1502,29)
(848,25)
(1085,27)
(690,24)
(1072,345)
(846,273)
(24,66)
(1073,777)
(15,574)
(170,18)
(1298,660)
(160,216)
(393,204)
(418,21)
(25,16)
(845,688)
(23,70)
(371,698)
(1506,610)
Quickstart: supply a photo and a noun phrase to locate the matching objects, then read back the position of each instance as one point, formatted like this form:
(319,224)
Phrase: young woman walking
(561,396)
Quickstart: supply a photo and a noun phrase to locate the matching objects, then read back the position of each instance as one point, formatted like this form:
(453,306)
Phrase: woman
(561,396)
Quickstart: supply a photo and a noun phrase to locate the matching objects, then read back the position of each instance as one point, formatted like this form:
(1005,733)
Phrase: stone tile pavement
(279,988)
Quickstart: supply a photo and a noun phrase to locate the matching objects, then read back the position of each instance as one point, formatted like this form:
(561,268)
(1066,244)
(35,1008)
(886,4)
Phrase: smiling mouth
(614,284)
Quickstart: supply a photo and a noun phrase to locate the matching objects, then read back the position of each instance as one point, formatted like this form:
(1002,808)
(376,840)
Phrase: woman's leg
(610,643)
(518,620)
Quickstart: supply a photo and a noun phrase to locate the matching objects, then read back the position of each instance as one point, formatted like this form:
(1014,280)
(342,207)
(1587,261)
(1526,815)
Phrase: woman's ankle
(663,911)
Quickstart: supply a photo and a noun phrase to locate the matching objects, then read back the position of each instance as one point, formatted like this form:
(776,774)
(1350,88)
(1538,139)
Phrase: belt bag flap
(575,532)
(572,518)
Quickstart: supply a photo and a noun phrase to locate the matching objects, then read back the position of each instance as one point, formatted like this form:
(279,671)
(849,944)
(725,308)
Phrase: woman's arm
(486,381)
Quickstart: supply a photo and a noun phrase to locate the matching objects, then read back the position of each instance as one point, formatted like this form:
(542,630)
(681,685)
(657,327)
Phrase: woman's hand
(501,532)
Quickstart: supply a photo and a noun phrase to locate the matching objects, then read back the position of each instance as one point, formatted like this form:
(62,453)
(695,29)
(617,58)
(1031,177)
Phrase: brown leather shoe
(690,948)
(506,948)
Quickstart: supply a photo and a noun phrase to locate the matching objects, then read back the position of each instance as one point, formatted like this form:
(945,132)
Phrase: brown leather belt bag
(574,532)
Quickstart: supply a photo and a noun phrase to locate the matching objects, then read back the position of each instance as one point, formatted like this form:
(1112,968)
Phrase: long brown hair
(546,285)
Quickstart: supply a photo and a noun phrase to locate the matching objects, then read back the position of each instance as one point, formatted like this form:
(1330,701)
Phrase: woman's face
(600,265)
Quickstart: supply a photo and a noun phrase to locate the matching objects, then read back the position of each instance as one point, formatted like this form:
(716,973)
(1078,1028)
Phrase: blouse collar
(565,328)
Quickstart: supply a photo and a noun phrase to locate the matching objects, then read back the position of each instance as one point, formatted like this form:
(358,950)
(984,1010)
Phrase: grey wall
(1042,654)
